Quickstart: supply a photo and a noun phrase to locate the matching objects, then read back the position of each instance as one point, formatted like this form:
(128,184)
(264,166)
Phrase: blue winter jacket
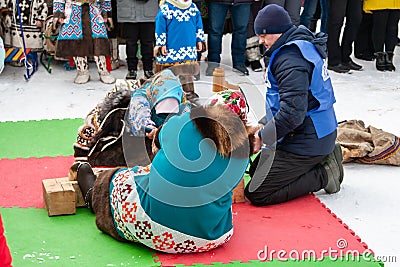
(291,124)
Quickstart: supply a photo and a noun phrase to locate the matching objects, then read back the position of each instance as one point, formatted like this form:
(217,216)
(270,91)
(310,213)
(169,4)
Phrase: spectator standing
(385,17)
(179,36)
(340,50)
(83,33)
(138,18)
(363,47)
(309,10)
(240,12)
(253,51)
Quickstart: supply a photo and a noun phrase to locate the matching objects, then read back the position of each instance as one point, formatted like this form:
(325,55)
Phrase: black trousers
(143,31)
(281,176)
(363,44)
(384,29)
(338,10)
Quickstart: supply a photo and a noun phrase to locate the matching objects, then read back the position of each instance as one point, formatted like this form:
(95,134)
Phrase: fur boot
(86,179)
(105,76)
(101,204)
(82,67)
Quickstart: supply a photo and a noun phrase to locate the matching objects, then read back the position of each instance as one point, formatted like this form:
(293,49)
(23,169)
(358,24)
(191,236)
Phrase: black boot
(389,62)
(380,62)
(86,179)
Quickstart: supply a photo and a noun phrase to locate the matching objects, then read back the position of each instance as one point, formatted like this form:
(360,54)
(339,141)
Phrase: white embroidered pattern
(136,225)
(184,53)
(179,14)
(161,39)
(200,34)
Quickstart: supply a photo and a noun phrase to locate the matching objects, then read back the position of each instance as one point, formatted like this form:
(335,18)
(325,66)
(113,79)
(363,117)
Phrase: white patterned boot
(105,76)
(83,70)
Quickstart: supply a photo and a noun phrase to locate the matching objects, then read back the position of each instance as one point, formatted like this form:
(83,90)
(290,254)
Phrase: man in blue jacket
(297,135)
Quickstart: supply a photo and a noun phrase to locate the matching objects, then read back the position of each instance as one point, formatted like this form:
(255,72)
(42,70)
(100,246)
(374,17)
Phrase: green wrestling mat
(36,239)
(24,139)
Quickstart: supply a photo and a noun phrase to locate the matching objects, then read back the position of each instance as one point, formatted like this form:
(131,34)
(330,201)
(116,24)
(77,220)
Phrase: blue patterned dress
(179,30)
(83,32)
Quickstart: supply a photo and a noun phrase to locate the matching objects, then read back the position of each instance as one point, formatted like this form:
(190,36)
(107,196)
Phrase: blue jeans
(216,20)
(309,10)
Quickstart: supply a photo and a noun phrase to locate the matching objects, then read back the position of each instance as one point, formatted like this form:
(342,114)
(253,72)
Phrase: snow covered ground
(368,202)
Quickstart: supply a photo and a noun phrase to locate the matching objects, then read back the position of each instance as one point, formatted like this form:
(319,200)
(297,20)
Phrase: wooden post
(219,82)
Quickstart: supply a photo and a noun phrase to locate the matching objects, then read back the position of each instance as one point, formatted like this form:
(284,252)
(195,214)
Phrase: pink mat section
(303,224)
(21,179)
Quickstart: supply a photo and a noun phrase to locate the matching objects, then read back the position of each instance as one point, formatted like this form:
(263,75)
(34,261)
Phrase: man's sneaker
(82,77)
(132,74)
(334,170)
(256,66)
(105,77)
(148,74)
(241,69)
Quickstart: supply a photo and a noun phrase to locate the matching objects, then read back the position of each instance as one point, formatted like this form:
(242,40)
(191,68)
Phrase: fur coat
(101,139)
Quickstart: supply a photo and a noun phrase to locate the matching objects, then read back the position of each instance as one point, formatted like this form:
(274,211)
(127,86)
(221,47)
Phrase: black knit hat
(272,19)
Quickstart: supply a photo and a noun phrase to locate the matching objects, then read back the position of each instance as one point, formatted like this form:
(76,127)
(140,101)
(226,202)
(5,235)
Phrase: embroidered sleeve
(139,113)
(199,27)
(161,26)
(105,7)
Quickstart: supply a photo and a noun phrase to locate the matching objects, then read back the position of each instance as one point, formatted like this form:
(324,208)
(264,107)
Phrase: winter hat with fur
(272,19)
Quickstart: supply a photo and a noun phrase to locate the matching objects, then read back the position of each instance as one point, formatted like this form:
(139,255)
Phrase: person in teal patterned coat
(181,202)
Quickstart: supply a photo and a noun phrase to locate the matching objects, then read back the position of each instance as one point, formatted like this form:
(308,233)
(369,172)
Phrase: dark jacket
(135,11)
(293,74)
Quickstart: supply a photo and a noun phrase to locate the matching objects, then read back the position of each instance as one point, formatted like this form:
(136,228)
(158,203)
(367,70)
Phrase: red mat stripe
(21,179)
(302,224)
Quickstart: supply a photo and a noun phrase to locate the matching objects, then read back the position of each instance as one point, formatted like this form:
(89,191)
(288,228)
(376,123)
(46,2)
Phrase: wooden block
(80,201)
(238,193)
(59,196)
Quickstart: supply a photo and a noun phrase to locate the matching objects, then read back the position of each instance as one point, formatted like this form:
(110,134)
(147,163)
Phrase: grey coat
(136,10)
